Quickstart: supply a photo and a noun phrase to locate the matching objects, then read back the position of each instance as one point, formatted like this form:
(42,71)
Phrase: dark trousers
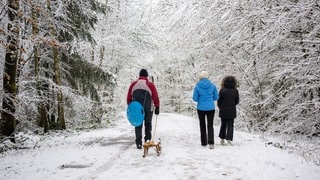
(226,128)
(147,128)
(206,127)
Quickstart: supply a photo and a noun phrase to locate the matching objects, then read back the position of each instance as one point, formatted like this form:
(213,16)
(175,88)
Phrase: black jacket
(228,99)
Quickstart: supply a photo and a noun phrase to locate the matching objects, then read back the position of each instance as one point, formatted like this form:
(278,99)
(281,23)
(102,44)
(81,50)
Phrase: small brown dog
(149,144)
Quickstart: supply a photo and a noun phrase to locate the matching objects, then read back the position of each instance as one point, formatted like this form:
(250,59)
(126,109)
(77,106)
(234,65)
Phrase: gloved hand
(156,111)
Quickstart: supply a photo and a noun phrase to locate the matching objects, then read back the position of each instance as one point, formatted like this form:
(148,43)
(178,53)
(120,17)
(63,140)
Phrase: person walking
(145,92)
(205,93)
(228,99)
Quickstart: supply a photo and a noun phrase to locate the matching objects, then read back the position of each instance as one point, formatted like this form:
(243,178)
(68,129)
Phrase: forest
(66,65)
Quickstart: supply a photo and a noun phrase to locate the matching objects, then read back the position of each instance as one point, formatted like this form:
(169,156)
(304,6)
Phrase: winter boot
(222,142)
(211,146)
(139,146)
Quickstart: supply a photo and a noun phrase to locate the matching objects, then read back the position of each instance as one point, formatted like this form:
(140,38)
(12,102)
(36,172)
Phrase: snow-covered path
(111,154)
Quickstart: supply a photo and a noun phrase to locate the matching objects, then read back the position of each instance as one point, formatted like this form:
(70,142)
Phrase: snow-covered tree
(49,78)
(8,120)
(265,44)
(270,46)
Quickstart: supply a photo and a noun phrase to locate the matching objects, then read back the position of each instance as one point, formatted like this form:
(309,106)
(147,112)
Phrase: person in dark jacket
(228,99)
(145,92)
(205,93)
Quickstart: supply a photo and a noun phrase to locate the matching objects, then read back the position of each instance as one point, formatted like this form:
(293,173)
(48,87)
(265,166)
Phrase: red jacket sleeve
(155,97)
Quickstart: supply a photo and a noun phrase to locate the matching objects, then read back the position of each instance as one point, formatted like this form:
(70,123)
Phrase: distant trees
(270,46)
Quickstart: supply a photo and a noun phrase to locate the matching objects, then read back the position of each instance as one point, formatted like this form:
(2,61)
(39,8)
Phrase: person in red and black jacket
(145,92)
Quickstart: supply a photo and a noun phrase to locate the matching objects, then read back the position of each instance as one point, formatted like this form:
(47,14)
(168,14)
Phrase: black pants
(226,128)
(204,128)
(147,128)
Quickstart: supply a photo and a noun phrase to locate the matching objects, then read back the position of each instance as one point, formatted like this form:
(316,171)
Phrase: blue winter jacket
(205,93)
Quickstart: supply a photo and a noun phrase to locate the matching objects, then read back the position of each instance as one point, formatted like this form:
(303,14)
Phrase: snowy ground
(111,154)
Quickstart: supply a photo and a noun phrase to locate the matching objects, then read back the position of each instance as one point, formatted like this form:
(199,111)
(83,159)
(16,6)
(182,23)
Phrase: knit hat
(203,74)
(143,72)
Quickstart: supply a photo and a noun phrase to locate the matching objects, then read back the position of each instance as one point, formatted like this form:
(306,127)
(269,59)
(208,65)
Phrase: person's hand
(156,111)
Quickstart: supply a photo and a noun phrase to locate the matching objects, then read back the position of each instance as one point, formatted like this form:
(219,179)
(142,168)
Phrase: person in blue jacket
(205,93)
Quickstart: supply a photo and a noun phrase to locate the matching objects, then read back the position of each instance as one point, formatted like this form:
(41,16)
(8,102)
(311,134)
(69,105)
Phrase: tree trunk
(8,121)
(57,76)
(57,80)
(43,115)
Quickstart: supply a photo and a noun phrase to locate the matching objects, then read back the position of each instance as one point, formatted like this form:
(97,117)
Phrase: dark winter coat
(143,91)
(228,99)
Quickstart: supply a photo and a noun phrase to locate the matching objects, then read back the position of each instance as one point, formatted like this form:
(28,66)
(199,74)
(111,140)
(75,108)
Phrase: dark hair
(229,82)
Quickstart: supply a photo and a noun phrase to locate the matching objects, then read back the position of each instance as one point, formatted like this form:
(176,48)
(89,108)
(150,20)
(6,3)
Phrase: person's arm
(220,99)
(155,97)
(129,95)
(195,95)
(215,93)
(237,97)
